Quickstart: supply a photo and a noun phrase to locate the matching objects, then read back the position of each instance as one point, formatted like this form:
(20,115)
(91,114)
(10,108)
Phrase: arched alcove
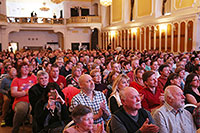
(182,37)
(142,39)
(147,38)
(95,8)
(152,37)
(157,37)
(169,37)
(175,41)
(190,35)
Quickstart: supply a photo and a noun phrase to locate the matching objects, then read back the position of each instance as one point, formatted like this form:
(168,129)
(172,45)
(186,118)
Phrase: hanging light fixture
(106,2)
(44,8)
(57,1)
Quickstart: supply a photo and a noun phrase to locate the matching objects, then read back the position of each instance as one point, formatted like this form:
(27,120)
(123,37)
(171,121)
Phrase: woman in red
(19,90)
(138,81)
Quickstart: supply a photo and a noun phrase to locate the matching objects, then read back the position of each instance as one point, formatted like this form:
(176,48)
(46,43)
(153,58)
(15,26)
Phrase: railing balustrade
(41,20)
(35,20)
(84,19)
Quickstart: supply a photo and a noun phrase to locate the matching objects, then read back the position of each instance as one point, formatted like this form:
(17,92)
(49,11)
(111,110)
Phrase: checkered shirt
(94,104)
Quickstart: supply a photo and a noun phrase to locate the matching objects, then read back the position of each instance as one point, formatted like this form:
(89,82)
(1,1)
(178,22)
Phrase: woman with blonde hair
(114,101)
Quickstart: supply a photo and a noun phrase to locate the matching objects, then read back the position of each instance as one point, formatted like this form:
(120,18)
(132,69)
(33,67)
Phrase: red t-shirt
(61,79)
(23,84)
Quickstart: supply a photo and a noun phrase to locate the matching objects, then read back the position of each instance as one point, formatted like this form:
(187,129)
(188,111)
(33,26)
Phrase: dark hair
(54,65)
(19,69)
(67,62)
(50,86)
(139,69)
(80,111)
(196,68)
(153,62)
(160,69)
(172,76)
(146,75)
(189,79)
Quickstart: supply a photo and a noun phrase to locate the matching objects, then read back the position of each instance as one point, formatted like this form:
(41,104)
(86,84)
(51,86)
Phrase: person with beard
(172,117)
(152,94)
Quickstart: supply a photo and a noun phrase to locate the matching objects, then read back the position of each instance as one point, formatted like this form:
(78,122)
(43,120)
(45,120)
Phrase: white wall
(28,38)
(77,35)
(22,8)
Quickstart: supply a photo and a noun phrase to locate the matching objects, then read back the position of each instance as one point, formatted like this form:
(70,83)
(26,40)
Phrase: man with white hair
(172,117)
(131,117)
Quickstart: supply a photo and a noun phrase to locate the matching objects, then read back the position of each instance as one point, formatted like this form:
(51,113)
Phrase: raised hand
(149,128)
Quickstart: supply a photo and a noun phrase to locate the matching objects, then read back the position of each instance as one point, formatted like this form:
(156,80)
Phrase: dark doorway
(0,47)
(85,12)
(94,39)
(75,46)
(74,12)
(85,46)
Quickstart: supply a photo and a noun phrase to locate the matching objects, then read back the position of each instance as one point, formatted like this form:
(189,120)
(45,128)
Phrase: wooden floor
(23,129)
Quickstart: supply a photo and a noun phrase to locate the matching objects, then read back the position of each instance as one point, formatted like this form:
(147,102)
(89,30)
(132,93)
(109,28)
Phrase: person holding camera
(51,114)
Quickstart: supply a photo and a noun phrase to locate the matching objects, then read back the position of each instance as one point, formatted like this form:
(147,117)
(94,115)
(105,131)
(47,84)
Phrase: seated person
(96,76)
(138,83)
(73,79)
(153,95)
(50,112)
(131,117)
(54,77)
(94,99)
(120,83)
(196,116)
(172,117)
(5,90)
(192,90)
(83,118)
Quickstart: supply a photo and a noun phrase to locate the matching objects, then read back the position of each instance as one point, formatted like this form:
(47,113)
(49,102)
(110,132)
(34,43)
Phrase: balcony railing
(2,18)
(35,20)
(84,19)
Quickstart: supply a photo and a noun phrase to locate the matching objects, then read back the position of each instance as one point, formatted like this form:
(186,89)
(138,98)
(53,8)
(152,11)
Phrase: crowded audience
(100,90)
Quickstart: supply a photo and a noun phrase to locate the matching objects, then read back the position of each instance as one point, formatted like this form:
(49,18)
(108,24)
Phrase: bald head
(86,83)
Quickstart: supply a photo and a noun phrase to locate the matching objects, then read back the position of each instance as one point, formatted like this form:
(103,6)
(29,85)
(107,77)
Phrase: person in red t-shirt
(19,90)
(55,77)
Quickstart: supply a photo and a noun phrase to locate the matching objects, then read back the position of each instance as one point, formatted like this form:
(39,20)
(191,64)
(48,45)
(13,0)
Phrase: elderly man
(94,99)
(131,118)
(172,117)
(37,90)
